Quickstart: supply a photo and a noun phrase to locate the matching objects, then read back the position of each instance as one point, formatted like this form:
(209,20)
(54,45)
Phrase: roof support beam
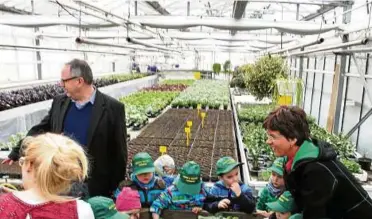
(238,11)
(157,7)
(319,12)
(306,2)
(14,10)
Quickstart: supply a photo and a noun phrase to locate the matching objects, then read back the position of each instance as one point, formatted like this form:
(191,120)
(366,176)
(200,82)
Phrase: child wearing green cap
(229,193)
(104,208)
(186,193)
(273,189)
(143,180)
(283,207)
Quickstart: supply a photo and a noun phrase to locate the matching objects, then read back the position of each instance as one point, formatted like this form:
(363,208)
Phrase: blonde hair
(57,161)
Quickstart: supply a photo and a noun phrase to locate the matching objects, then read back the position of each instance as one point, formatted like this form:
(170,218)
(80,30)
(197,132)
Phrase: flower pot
(365,163)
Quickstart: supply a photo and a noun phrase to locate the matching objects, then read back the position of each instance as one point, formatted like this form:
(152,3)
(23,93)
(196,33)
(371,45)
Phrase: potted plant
(216,68)
(365,162)
(261,80)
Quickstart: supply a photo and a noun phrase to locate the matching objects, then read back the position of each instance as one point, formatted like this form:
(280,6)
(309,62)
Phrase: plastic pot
(365,163)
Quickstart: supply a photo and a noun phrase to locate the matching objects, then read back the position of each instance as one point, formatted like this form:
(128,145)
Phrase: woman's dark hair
(290,121)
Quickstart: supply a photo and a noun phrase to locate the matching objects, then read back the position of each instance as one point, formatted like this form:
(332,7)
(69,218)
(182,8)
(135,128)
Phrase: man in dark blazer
(94,120)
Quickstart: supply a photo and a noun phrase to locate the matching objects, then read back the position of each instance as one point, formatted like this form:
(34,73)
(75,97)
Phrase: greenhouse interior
(213,79)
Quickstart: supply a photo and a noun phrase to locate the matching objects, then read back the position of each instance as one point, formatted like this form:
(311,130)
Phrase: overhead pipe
(114,22)
(89,13)
(107,12)
(337,46)
(91,42)
(88,4)
(350,51)
(134,41)
(60,49)
(318,41)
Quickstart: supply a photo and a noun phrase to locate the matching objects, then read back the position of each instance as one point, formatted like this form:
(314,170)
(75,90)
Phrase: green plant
(141,105)
(261,80)
(254,137)
(265,175)
(210,93)
(258,112)
(216,68)
(342,144)
(175,82)
(13,141)
(227,66)
(351,165)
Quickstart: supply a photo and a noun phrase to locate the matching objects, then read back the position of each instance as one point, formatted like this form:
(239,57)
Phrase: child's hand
(235,187)
(196,210)
(264,213)
(224,203)
(155,216)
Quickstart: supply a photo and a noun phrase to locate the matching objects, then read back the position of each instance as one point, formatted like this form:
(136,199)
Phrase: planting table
(207,144)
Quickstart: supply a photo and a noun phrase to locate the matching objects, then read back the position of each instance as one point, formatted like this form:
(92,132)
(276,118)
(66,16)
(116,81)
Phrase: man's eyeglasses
(68,79)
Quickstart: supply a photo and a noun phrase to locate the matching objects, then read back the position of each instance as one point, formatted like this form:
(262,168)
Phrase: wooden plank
(333,101)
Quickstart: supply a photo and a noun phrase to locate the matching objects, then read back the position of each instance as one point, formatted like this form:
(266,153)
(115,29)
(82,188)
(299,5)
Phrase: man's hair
(290,121)
(80,68)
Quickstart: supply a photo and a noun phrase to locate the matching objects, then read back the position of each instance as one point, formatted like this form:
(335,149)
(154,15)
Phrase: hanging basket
(289,91)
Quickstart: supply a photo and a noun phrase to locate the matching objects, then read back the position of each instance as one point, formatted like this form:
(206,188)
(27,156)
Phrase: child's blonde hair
(57,161)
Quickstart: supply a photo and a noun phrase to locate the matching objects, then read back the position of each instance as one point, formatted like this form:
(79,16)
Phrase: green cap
(277,166)
(226,164)
(284,204)
(104,208)
(189,181)
(142,163)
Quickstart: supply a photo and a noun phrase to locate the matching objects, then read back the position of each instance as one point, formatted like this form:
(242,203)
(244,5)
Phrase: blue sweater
(77,121)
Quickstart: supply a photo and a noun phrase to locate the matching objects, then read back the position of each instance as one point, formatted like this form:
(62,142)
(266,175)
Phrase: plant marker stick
(203,116)
(189,124)
(199,107)
(187,130)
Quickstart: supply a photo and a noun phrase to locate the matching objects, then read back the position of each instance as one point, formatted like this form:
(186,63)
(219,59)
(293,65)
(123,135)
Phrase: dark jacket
(244,203)
(148,193)
(322,186)
(106,147)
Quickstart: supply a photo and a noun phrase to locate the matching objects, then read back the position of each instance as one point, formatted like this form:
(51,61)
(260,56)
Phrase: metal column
(341,82)
(321,89)
(37,43)
(307,74)
(301,67)
(188,8)
(362,103)
(298,12)
(135,8)
(345,99)
(345,38)
(313,87)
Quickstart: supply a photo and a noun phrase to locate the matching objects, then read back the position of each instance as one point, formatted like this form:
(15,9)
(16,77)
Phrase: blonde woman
(50,164)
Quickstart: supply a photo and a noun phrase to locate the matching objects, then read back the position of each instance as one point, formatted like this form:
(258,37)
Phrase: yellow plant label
(163,149)
(189,123)
(187,130)
(203,115)
(199,106)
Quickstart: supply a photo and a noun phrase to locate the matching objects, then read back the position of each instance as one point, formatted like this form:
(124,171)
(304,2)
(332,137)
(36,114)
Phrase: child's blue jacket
(244,203)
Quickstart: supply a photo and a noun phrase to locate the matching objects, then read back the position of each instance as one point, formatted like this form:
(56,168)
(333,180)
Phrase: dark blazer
(106,147)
